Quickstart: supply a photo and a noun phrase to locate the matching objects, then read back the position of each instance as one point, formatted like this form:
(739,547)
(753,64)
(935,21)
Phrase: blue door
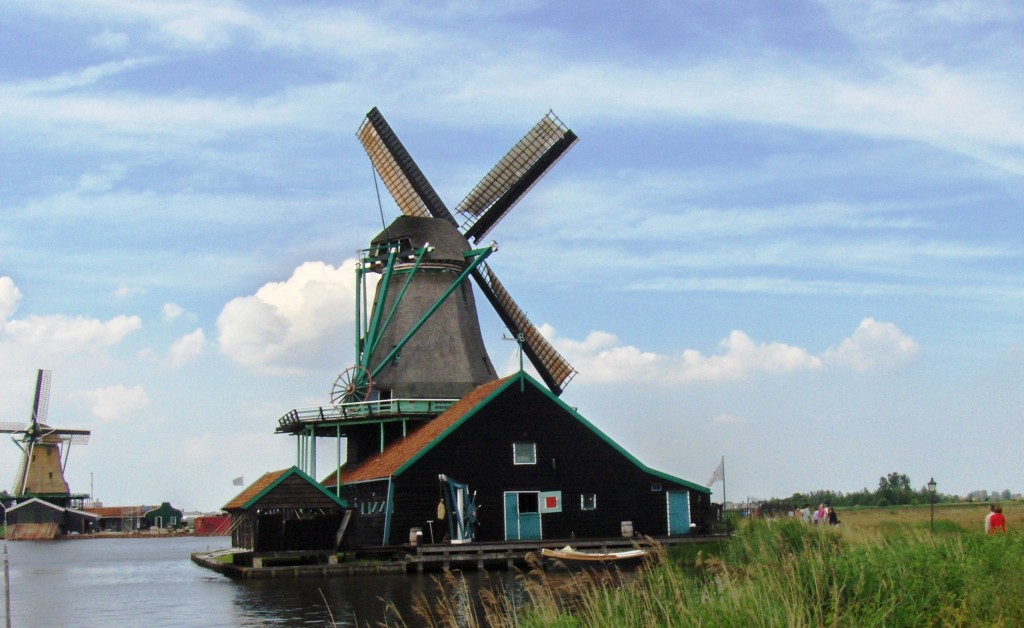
(678,512)
(511,516)
(522,516)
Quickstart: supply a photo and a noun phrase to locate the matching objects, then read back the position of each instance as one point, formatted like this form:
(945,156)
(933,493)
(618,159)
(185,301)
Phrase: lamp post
(931,493)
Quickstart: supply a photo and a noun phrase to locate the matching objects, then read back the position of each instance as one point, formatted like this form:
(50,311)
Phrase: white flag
(719,473)
(238,481)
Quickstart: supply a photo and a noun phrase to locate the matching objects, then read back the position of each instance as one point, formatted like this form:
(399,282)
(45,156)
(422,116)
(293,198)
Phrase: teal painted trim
(312,453)
(372,335)
(360,289)
(480,256)
(454,426)
(287,474)
(612,443)
(389,510)
(420,253)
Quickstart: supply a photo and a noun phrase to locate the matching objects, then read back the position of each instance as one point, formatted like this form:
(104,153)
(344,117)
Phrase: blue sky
(790,234)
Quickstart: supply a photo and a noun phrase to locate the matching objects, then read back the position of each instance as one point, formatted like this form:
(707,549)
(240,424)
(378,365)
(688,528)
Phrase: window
(656,487)
(588,501)
(529,503)
(524,453)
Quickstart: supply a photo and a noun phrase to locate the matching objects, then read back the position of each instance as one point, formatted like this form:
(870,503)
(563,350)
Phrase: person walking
(988,518)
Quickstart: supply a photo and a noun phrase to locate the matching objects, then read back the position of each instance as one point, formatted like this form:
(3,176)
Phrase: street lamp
(931,492)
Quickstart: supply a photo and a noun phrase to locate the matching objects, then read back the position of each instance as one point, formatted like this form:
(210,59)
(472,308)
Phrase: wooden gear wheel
(354,384)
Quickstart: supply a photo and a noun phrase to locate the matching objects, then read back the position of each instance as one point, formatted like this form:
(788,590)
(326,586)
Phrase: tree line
(894,489)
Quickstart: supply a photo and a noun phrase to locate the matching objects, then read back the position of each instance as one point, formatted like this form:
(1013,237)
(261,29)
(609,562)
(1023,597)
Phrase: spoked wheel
(352,385)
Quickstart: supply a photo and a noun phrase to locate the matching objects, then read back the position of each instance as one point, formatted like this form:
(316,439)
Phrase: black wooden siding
(571,458)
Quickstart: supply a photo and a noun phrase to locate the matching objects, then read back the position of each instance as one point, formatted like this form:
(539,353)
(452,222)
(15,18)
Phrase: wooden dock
(416,558)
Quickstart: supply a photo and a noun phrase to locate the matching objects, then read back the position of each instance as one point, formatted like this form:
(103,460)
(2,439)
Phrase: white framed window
(588,501)
(524,453)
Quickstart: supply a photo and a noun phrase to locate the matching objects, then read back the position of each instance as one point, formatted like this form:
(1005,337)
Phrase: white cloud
(172,311)
(728,419)
(874,346)
(187,348)
(602,358)
(53,342)
(109,41)
(290,326)
(101,181)
(9,297)
(123,291)
(115,403)
(741,356)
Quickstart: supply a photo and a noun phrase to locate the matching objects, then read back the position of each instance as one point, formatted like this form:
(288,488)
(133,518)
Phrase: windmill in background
(44,451)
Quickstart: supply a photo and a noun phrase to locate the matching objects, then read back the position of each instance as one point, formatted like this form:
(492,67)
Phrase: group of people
(995,521)
(824,514)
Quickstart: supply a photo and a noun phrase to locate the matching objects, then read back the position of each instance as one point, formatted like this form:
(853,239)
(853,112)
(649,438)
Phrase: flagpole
(723,483)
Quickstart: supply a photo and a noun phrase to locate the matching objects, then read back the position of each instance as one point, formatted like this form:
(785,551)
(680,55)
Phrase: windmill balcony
(299,419)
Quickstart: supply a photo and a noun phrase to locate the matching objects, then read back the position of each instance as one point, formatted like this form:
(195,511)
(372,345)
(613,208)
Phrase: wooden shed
(512,461)
(164,516)
(286,510)
(37,519)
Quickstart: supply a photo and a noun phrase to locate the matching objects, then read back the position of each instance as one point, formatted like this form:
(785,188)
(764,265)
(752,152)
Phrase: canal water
(142,581)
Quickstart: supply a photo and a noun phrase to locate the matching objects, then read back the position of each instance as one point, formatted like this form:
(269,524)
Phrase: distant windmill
(422,338)
(41,472)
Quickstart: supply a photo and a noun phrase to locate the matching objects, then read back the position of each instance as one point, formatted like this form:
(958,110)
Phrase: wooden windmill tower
(44,451)
(422,338)
(418,342)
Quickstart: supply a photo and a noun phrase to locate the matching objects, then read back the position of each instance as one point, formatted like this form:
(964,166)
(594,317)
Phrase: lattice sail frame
(511,168)
(558,370)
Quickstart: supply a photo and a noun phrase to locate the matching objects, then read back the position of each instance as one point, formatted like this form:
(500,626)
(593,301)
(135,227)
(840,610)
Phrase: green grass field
(970,516)
(880,567)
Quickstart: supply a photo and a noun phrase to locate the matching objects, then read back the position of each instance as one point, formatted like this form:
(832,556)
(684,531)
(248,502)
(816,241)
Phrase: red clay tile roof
(255,489)
(391,460)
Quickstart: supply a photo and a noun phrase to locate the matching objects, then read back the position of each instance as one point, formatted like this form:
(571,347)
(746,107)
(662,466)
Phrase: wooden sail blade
(75,437)
(551,366)
(513,176)
(41,404)
(400,174)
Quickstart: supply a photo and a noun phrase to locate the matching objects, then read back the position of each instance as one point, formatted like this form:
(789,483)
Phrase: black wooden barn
(516,463)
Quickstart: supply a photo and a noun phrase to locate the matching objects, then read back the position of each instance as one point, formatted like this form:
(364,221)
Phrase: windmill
(422,337)
(41,472)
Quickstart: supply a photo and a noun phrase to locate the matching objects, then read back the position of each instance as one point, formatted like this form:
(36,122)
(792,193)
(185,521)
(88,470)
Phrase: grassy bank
(880,568)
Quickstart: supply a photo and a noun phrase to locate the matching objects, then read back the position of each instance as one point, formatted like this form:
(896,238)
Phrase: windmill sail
(41,404)
(514,175)
(551,366)
(400,174)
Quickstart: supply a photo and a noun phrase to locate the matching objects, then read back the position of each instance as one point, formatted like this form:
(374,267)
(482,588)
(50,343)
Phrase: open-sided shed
(286,510)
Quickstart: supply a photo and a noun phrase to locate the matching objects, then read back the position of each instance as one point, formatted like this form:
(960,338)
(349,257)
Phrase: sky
(791,233)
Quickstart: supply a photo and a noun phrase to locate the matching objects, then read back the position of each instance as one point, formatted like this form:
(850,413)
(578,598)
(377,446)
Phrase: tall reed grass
(785,573)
